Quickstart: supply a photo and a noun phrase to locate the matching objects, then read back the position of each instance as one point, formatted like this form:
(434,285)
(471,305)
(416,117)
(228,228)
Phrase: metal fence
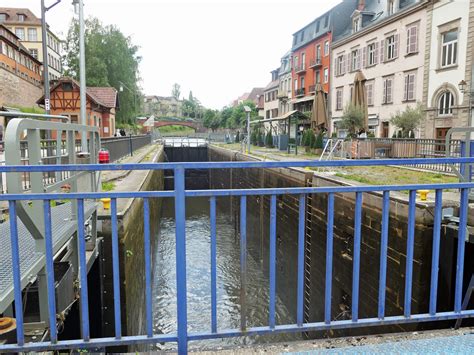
(120,147)
(384,148)
(180,195)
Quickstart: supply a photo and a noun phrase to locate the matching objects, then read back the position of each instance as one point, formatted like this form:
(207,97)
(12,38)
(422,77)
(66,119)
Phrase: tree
(211,119)
(352,119)
(104,69)
(176,91)
(409,119)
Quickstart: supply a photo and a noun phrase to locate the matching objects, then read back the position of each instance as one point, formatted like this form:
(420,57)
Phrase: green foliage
(318,142)
(352,119)
(409,119)
(211,119)
(176,91)
(370,135)
(394,135)
(237,137)
(260,139)
(108,186)
(399,134)
(254,138)
(312,138)
(334,135)
(269,139)
(111,60)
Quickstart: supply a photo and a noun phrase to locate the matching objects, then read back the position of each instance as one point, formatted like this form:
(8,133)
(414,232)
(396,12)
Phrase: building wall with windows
(389,50)
(450,36)
(27,27)
(285,84)
(270,96)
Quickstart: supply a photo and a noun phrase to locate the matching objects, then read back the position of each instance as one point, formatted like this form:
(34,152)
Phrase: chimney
(361,6)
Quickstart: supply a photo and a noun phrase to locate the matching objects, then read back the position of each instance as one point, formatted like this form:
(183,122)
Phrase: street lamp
(248,110)
(466,89)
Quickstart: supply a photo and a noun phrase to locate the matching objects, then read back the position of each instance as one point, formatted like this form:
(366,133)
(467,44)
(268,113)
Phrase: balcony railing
(315,63)
(301,68)
(283,94)
(381,315)
(299,92)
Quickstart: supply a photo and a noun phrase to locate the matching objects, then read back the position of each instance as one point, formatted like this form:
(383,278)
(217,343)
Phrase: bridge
(44,230)
(198,127)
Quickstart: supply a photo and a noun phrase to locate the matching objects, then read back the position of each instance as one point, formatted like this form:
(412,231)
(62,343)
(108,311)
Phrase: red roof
(107,96)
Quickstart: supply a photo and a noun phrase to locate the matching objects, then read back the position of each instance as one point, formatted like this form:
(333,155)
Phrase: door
(441,139)
(385,129)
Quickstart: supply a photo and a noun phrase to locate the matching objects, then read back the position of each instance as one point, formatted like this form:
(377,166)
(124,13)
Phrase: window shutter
(411,86)
(396,45)
(415,38)
(382,51)
(359,58)
(348,63)
(389,90)
(364,57)
(376,56)
(384,97)
(336,66)
(409,39)
(405,91)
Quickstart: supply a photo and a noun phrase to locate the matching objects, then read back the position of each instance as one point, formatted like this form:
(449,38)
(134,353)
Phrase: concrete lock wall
(315,243)
(131,251)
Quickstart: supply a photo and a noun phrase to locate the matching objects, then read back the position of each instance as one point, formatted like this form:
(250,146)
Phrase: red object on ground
(104,156)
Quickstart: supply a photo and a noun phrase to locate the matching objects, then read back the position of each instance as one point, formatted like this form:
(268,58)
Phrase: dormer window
(21,18)
(3,17)
(392,7)
(356,23)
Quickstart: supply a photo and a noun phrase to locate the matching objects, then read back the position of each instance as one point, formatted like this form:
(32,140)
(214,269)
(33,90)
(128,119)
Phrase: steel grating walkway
(459,344)
(31,261)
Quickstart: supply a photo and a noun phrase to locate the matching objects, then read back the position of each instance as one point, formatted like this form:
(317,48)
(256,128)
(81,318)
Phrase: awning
(302,99)
(281,118)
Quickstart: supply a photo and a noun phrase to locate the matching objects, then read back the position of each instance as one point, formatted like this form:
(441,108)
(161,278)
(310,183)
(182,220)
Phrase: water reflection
(198,282)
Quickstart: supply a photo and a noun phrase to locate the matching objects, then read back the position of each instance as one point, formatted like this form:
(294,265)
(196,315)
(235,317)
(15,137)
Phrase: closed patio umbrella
(320,117)
(359,97)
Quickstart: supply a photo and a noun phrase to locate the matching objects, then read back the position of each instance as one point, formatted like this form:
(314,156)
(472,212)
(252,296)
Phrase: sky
(219,49)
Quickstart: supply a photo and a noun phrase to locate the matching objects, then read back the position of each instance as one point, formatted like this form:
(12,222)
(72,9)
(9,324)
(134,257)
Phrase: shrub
(352,119)
(394,135)
(399,134)
(318,142)
(269,140)
(408,120)
(237,137)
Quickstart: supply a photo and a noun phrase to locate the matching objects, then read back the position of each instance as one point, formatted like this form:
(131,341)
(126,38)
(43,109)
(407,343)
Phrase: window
(409,90)
(340,65)
(20,33)
(296,84)
(412,39)
(449,51)
(339,93)
(302,82)
(371,54)
(317,26)
(3,17)
(326,48)
(295,63)
(445,104)
(318,51)
(32,35)
(391,8)
(356,24)
(303,60)
(355,60)
(317,78)
(391,47)
(369,88)
(302,36)
(387,97)
(326,75)
(326,21)
(21,18)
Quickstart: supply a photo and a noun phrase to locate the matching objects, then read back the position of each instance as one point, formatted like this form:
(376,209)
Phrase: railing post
(131,146)
(180,220)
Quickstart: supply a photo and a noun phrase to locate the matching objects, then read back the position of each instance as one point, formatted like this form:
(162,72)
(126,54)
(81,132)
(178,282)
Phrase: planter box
(404,149)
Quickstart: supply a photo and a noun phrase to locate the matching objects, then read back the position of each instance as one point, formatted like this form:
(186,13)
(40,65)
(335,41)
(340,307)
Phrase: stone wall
(16,91)
(131,251)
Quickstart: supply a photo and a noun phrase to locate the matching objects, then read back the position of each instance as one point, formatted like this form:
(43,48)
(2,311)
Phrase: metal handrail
(184,334)
(34,115)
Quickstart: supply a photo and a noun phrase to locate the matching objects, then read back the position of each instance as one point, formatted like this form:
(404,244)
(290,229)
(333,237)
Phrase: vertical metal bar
(83,270)
(180,217)
(16,273)
(272,263)
(410,246)
(146,223)
(383,253)
(50,271)
(301,238)
(435,256)
(116,269)
(243,261)
(356,257)
(461,246)
(213,266)
(329,257)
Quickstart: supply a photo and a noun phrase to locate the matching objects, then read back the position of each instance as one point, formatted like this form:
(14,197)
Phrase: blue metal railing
(180,194)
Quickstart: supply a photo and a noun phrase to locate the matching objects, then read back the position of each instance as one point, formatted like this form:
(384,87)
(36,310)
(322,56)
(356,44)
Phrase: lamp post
(248,110)
(79,9)
(466,89)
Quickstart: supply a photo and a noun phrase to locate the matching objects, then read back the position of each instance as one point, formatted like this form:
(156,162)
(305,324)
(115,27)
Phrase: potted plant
(318,144)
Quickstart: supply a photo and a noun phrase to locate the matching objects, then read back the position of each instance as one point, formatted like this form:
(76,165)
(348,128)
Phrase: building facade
(311,54)
(270,93)
(449,60)
(386,41)
(101,106)
(20,72)
(163,106)
(27,28)
(285,84)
